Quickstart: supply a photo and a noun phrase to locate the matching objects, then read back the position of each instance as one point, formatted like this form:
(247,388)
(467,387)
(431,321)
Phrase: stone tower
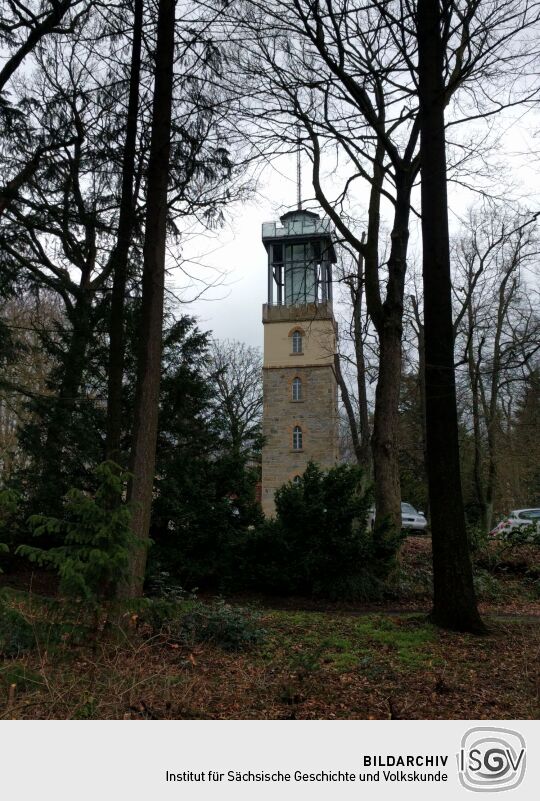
(300,420)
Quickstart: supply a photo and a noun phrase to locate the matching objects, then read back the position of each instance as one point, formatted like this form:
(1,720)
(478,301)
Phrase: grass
(409,638)
(310,665)
(336,662)
(310,641)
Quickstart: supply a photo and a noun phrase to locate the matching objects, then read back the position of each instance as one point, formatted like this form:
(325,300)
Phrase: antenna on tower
(298,169)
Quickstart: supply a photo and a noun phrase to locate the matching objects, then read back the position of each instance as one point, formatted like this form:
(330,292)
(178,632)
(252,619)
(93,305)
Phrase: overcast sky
(232,309)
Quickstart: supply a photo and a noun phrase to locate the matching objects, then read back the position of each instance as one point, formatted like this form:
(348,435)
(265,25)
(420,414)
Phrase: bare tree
(355,398)
(349,77)
(25,368)
(235,369)
(497,331)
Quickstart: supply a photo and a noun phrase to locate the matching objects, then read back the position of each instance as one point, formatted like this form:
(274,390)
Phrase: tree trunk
(385,437)
(143,455)
(454,600)
(474,377)
(69,390)
(346,398)
(120,254)
(365,433)
(491,409)
(421,381)
(384,440)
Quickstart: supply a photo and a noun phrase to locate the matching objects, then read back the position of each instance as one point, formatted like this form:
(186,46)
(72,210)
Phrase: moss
(408,637)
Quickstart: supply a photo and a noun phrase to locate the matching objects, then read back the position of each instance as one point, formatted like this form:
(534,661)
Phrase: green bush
(16,633)
(477,538)
(9,504)
(319,543)
(487,587)
(96,535)
(199,515)
(160,614)
(161,584)
(230,627)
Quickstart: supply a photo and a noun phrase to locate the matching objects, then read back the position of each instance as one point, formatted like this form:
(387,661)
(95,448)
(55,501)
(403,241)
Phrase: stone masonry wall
(316,414)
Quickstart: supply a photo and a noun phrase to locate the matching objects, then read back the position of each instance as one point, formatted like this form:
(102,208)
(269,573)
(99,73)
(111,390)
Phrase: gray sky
(232,310)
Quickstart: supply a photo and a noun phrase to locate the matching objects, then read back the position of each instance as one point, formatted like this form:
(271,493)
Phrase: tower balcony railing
(319,301)
(305,226)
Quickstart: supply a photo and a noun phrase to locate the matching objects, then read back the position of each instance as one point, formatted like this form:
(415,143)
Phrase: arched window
(297,438)
(296,480)
(296,389)
(297,342)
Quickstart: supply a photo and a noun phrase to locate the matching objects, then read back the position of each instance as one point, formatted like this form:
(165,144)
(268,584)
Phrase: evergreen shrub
(232,628)
(16,633)
(319,543)
(96,539)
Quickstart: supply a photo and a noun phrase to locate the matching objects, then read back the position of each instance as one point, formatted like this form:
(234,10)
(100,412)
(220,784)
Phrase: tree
(413,477)
(235,370)
(349,77)
(204,491)
(454,600)
(497,334)
(57,234)
(523,444)
(120,253)
(22,28)
(25,369)
(346,108)
(81,215)
(143,452)
(353,281)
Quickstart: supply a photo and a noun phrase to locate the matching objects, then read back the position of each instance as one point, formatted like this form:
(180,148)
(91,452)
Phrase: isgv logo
(491,759)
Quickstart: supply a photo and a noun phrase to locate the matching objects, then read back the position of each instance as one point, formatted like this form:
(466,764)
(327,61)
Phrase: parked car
(518,518)
(411,519)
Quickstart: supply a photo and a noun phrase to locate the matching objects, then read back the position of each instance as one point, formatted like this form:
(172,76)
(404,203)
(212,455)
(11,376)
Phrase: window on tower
(296,389)
(297,438)
(300,274)
(297,342)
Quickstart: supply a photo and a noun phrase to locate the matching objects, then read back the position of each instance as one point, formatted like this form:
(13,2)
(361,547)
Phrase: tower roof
(297,213)
(300,226)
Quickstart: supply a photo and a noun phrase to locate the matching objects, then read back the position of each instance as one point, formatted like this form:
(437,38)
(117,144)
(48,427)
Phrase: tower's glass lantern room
(300,256)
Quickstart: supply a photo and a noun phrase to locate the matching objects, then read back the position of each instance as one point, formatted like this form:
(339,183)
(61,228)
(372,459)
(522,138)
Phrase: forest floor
(297,659)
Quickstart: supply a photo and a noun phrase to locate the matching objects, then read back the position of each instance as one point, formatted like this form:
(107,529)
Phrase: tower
(299,385)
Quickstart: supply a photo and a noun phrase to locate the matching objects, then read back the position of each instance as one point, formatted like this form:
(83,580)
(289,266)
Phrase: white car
(411,519)
(518,518)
